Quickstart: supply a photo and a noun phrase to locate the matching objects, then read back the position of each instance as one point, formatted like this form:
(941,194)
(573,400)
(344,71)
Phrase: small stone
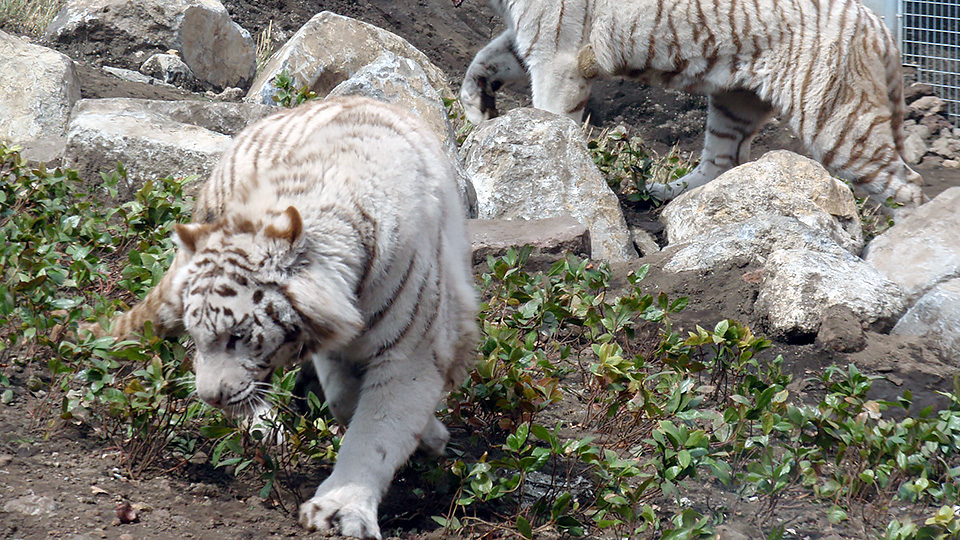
(234,95)
(950,164)
(841,330)
(126,513)
(126,536)
(5,459)
(168,68)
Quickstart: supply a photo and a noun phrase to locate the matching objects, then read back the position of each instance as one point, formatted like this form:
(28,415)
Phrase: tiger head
(254,299)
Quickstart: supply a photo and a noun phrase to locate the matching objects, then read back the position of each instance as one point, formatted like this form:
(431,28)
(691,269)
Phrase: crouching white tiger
(334,232)
(829,66)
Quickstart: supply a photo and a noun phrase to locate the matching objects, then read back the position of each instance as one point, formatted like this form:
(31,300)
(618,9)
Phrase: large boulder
(780,183)
(330,49)
(936,317)
(38,88)
(216,49)
(923,249)
(799,286)
(153,139)
(402,81)
(531,164)
(753,240)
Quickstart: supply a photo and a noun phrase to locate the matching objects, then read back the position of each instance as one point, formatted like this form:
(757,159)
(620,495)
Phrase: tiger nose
(210,389)
(213,397)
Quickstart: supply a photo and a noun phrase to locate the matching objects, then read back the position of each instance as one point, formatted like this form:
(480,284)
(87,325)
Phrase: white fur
(332,232)
(830,67)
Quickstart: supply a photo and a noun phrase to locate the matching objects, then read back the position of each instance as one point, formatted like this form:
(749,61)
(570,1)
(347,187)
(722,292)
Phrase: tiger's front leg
(395,411)
(494,66)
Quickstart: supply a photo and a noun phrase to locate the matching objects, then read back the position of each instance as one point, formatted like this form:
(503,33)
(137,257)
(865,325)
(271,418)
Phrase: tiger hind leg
(559,86)
(859,143)
(733,120)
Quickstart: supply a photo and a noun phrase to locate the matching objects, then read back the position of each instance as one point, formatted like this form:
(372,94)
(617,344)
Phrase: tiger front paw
(478,100)
(349,510)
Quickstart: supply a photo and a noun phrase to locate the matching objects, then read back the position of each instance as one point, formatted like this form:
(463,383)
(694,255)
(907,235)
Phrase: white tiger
(830,67)
(333,231)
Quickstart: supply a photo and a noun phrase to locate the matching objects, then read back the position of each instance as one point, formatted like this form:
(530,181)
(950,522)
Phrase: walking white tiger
(829,66)
(335,232)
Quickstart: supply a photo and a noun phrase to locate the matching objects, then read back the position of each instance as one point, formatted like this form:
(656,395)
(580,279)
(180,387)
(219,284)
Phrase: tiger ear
(288,226)
(188,235)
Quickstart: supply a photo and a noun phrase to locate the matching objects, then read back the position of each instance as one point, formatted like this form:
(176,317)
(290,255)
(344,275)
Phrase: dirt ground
(60,481)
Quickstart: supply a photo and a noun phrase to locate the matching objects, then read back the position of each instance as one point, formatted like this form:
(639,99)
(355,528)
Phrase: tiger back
(332,232)
(830,67)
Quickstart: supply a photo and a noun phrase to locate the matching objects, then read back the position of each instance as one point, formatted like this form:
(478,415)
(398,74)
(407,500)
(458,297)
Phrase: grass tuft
(30,17)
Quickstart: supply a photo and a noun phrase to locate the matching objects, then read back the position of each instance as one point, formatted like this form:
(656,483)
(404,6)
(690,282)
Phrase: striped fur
(333,231)
(830,67)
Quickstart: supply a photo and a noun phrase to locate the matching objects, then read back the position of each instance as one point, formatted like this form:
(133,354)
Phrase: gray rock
(225,118)
(401,81)
(914,147)
(531,164)
(550,238)
(32,505)
(926,106)
(644,241)
(919,129)
(947,147)
(753,239)
(916,91)
(923,249)
(48,150)
(330,49)
(151,145)
(799,285)
(217,50)
(935,122)
(780,183)
(38,88)
(168,68)
(936,317)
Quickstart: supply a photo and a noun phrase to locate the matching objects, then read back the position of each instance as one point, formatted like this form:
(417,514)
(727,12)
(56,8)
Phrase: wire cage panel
(930,43)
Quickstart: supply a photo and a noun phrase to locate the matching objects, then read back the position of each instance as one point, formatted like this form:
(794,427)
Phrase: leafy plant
(630,167)
(288,94)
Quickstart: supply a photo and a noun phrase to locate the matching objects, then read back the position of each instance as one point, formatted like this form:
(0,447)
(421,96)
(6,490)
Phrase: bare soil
(60,480)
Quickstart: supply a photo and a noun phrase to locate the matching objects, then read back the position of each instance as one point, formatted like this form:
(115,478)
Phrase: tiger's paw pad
(345,510)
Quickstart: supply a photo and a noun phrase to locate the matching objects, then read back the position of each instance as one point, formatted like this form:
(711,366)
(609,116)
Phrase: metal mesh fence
(930,43)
